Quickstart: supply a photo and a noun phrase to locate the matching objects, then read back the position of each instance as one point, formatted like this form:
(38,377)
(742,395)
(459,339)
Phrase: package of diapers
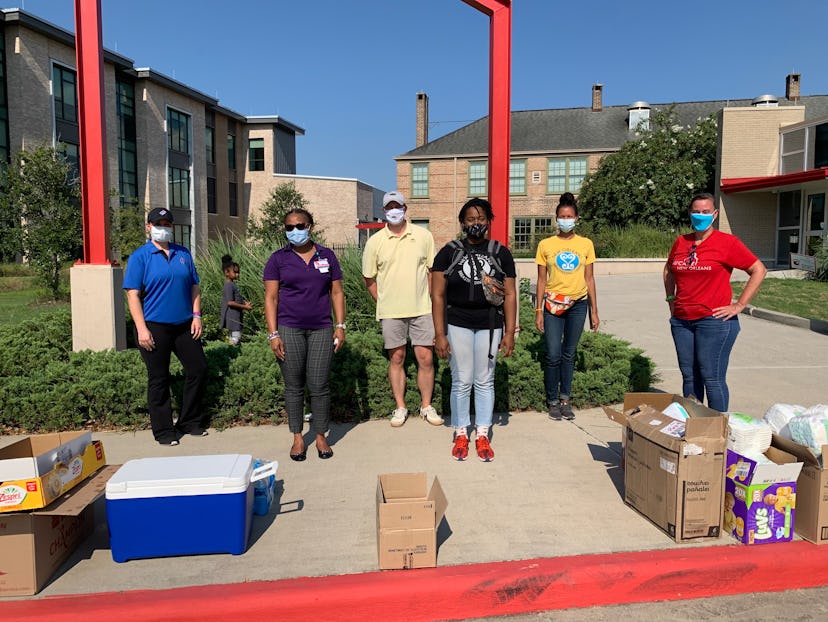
(748,436)
(778,416)
(810,430)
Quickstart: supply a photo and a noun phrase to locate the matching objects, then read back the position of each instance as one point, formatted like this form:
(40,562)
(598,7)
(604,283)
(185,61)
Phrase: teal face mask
(702,222)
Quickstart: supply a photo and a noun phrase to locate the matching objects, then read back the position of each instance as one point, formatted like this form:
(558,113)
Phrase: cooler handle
(264,471)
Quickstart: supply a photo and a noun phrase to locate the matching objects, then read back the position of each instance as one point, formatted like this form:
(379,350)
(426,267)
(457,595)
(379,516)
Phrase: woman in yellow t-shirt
(566,291)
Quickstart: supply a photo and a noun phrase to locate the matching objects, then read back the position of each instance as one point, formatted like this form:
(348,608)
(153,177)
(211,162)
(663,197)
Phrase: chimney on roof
(422,120)
(597,97)
(792,87)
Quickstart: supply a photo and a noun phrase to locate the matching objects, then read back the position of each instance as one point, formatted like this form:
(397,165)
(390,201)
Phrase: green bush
(821,258)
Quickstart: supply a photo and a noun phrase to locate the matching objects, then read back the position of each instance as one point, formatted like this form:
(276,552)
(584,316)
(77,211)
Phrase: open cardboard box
(760,498)
(674,471)
(408,515)
(34,544)
(811,491)
(38,469)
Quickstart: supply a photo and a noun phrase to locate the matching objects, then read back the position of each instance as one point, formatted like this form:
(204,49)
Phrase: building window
(63,90)
(178,131)
(181,235)
(127,149)
(234,207)
(565,174)
(210,144)
(529,231)
(211,196)
(821,145)
(517,177)
(231,152)
(71,154)
(420,222)
(179,188)
(419,180)
(477,178)
(256,154)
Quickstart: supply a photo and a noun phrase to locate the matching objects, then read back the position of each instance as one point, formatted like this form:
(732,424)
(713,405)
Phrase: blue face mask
(702,222)
(566,224)
(298,237)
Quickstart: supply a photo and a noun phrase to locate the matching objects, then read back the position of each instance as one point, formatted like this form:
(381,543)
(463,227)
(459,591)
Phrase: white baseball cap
(393,196)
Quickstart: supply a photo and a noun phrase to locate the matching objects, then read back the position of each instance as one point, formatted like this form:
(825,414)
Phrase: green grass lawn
(21,300)
(808,299)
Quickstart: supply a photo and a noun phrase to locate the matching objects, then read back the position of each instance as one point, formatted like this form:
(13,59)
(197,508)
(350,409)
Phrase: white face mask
(161,234)
(395,216)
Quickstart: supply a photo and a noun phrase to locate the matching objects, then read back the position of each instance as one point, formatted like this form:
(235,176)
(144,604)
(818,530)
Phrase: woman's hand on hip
(196,328)
(729,311)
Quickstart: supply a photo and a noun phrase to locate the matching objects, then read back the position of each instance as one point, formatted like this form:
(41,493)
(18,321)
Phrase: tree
(650,180)
(268,227)
(127,230)
(41,191)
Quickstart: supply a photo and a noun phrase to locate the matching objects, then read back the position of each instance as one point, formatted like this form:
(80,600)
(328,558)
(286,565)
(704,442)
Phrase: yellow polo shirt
(400,265)
(566,262)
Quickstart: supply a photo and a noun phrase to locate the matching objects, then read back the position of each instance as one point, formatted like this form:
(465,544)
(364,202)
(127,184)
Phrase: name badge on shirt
(322,265)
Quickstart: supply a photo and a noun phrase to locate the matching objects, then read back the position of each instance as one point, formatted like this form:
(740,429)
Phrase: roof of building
(568,130)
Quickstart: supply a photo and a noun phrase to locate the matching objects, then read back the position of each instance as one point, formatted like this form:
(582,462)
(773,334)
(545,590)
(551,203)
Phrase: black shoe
(300,457)
(169,442)
(325,454)
(192,432)
(555,411)
(566,411)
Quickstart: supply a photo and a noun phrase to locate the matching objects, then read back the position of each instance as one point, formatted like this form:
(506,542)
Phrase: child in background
(232,303)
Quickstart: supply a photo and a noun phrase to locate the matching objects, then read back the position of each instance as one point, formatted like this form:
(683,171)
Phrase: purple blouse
(304,289)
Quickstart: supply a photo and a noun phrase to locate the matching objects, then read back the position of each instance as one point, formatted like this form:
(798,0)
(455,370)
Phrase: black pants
(174,339)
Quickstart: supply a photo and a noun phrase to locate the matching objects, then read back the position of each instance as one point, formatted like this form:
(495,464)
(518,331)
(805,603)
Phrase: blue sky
(348,70)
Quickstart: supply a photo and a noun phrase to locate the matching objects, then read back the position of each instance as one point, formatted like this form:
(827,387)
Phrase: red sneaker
(460,451)
(484,450)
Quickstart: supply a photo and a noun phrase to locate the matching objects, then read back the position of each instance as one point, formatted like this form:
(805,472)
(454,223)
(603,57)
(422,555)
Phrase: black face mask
(476,231)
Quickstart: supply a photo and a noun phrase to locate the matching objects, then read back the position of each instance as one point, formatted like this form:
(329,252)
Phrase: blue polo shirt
(165,282)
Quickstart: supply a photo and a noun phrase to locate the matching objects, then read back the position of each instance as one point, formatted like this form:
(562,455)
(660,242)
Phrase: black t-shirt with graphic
(462,310)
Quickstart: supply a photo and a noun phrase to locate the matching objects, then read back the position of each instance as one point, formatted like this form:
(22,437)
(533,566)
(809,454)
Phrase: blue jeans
(703,349)
(472,367)
(562,333)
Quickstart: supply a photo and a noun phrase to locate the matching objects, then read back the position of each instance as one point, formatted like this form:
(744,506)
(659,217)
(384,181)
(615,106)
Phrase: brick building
(552,151)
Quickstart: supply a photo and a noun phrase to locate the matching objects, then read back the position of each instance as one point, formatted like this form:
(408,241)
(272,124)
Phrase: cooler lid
(179,476)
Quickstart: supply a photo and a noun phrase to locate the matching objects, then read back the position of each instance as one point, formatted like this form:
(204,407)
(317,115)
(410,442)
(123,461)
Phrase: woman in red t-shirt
(704,318)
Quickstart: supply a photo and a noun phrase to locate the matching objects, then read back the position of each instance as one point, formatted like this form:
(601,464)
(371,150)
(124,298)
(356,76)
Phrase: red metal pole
(92,122)
(500,79)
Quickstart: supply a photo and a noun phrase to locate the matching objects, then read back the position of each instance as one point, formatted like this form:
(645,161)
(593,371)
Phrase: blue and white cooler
(187,505)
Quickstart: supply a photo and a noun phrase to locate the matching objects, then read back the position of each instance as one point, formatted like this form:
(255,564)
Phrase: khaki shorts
(396,331)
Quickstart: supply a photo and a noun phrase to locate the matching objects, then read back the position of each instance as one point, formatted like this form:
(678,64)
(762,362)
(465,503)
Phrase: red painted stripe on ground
(460,592)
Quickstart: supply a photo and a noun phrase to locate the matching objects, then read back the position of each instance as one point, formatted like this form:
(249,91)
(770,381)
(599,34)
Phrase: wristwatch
(342,326)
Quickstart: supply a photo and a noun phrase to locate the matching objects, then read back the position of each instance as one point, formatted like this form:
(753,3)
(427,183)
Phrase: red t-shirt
(702,272)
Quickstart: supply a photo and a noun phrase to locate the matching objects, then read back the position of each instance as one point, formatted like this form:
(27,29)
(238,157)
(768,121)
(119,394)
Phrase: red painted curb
(461,592)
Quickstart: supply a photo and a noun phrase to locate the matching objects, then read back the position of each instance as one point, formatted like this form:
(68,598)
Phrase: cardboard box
(35,544)
(408,514)
(674,470)
(811,491)
(633,401)
(38,469)
(760,499)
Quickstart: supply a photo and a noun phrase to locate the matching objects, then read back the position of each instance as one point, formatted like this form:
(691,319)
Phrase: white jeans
(472,367)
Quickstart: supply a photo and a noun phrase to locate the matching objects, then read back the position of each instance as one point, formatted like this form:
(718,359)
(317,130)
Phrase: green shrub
(821,258)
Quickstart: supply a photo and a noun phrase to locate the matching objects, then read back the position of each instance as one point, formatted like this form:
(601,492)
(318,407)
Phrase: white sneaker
(430,414)
(398,417)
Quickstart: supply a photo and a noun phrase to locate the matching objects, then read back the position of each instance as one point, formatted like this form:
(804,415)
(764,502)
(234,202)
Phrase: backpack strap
(459,252)
(493,249)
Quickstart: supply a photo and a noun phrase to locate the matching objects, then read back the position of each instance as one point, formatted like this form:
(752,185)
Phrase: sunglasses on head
(301,226)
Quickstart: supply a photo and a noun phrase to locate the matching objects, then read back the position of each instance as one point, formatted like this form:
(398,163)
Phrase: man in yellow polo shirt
(396,267)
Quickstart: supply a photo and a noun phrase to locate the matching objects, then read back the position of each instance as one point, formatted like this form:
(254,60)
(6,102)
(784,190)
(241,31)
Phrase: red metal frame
(500,84)
(746,184)
(92,122)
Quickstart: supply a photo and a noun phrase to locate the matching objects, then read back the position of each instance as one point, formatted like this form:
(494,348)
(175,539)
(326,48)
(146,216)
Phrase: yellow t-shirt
(400,265)
(565,262)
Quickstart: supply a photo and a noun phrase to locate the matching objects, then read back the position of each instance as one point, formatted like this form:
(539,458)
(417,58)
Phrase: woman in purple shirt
(302,281)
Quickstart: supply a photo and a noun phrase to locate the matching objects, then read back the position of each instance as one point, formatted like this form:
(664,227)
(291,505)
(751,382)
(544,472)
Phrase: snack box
(40,468)
(182,505)
(408,515)
(760,498)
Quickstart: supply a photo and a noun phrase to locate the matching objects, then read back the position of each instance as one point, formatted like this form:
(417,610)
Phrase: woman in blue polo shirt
(164,300)
(302,281)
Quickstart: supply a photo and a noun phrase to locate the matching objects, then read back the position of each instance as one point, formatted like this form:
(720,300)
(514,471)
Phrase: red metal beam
(746,184)
(92,122)
(500,84)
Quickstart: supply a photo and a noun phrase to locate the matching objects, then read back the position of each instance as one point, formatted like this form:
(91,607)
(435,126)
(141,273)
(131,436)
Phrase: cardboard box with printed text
(811,491)
(408,515)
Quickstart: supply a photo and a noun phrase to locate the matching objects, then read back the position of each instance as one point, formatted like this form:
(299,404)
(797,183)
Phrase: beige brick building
(552,151)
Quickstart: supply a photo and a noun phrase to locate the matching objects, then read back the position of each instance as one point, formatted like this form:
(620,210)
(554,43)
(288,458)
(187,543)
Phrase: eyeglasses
(691,256)
(301,226)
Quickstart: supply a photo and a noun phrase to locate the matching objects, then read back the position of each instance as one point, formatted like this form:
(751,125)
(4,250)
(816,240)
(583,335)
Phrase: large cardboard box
(811,491)
(633,402)
(34,544)
(408,514)
(40,468)
(674,470)
(760,498)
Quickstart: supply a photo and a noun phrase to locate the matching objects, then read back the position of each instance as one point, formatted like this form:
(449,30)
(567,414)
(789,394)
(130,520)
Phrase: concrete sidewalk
(555,488)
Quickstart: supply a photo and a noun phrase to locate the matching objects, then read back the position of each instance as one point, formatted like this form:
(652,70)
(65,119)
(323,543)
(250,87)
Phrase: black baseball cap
(159,213)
